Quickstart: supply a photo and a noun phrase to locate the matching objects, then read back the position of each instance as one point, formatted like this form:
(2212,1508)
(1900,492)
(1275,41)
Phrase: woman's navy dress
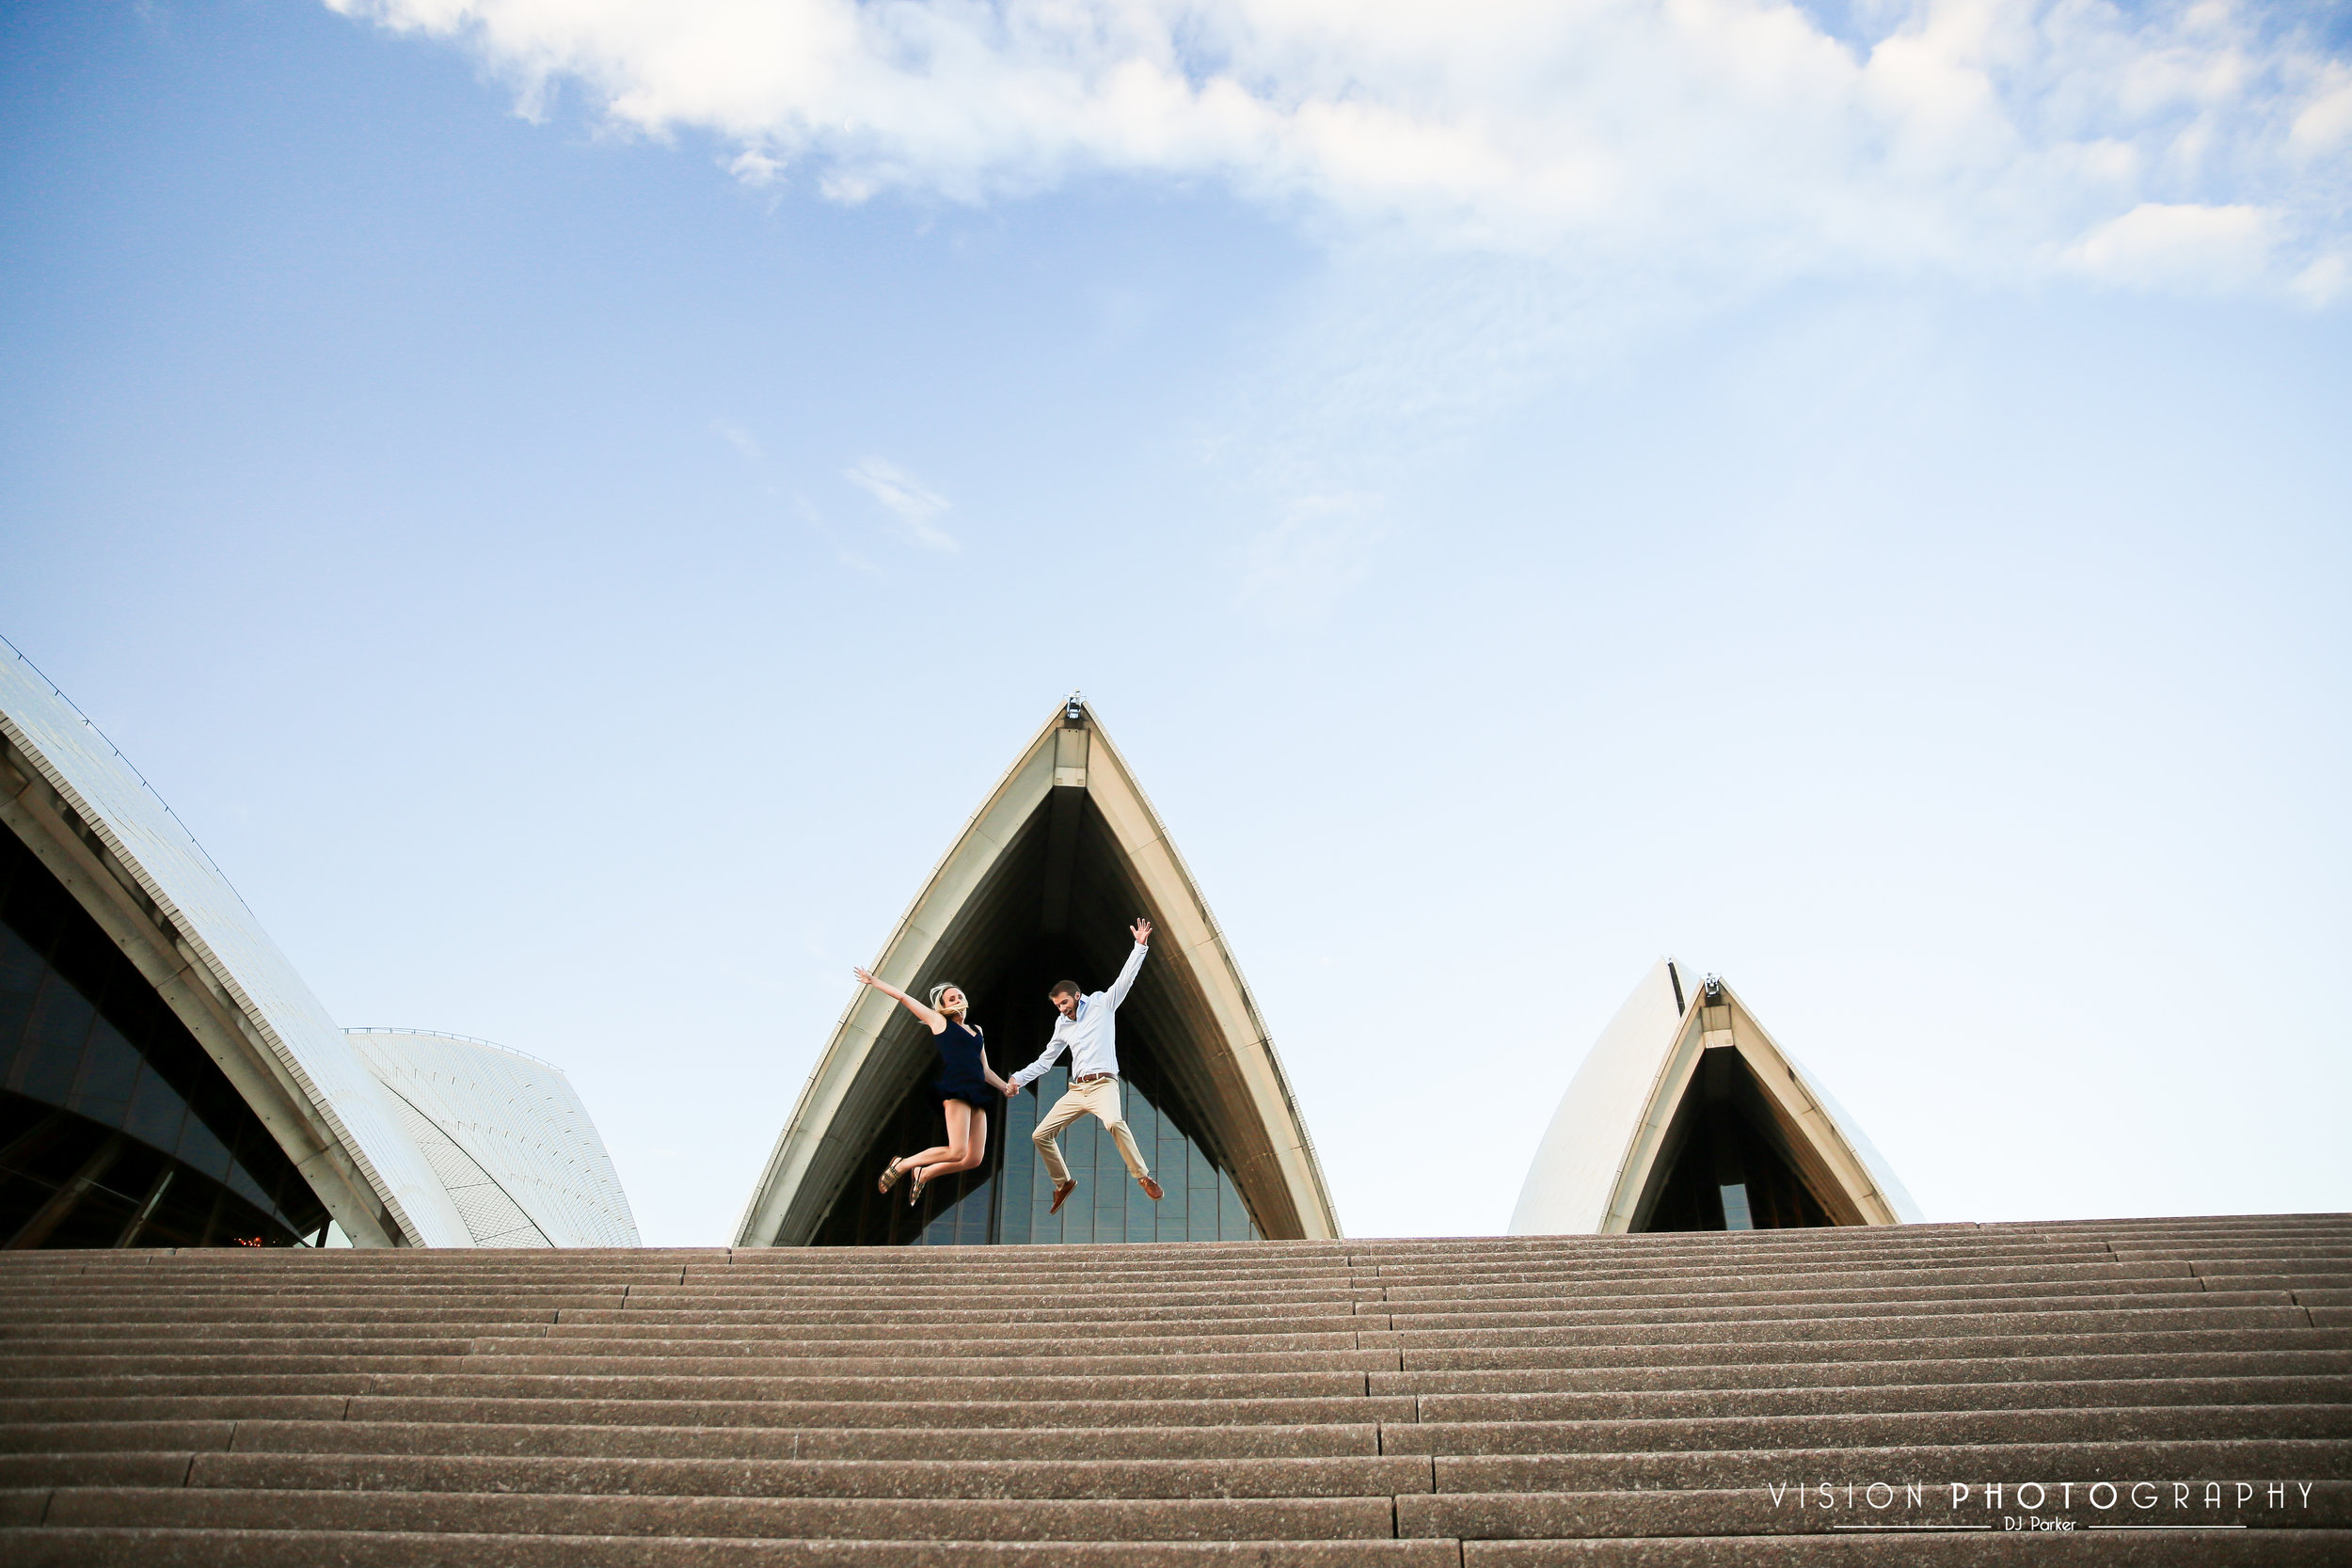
(960,1076)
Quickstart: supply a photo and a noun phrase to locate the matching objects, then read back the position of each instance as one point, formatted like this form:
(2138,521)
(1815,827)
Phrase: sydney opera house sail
(507,1137)
(166,1079)
(1688,1116)
(1041,887)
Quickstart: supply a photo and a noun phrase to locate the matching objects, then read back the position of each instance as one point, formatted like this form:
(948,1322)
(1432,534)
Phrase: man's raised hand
(1140,930)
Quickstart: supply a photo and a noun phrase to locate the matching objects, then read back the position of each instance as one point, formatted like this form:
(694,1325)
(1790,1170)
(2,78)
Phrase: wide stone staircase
(2144,1391)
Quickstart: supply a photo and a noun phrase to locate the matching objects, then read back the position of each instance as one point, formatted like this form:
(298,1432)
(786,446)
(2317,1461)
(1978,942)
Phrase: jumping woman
(967,1086)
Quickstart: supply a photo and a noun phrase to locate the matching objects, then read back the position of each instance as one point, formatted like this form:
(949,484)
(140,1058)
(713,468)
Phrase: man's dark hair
(1064,988)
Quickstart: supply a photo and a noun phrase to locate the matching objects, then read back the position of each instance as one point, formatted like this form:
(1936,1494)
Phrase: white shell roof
(508,1137)
(1576,1166)
(1595,1159)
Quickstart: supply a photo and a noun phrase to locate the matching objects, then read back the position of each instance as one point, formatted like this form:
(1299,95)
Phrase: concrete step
(2194,1379)
(78,1407)
(2183,1291)
(695,1442)
(2059,1314)
(62,1547)
(1757,1510)
(1980,1464)
(2143,1424)
(2148,1424)
(1485,1365)
(657,1385)
(1969,1548)
(1626,1378)
(1674,1404)
(783,1360)
(1860,1283)
(620,1336)
(2002,1462)
(1767,1249)
(1132,1477)
(869,1443)
(2309,1461)
(1538,1381)
(1731,1308)
(866,1518)
(2261,1327)
(940,1414)
(510,1357)
(1671,1321)
(66,1332)
(36,1316)
(1667,1322)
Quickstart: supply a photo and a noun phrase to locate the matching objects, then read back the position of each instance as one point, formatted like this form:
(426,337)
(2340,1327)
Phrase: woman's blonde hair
(943,989)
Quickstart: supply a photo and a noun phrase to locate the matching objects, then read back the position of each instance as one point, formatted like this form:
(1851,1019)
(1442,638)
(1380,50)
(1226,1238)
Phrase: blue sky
(575,503)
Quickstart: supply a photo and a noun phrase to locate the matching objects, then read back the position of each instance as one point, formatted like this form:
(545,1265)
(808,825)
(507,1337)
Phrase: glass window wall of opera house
(1010,1197)
(116,1129)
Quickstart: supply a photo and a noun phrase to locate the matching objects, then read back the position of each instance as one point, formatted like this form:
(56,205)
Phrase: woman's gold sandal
(889,1177)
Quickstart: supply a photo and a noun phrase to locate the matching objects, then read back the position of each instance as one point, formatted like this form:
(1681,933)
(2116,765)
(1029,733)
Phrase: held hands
(1140,930)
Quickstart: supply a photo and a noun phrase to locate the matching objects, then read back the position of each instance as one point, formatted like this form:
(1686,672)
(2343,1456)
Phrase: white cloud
(755,169)
(1711,137)
(2163,245)
(916,507)
(2325,123)
(2326,280)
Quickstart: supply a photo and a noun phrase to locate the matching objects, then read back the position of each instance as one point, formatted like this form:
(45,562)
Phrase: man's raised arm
(1141,932)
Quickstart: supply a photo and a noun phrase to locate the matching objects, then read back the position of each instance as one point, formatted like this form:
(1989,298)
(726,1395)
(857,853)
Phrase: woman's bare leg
(949,1153)
(974,1146)
(967,1145)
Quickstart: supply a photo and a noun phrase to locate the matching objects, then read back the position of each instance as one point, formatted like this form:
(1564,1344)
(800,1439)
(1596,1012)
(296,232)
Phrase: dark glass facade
(115,1128)
(1008,1198)
(1728,1165)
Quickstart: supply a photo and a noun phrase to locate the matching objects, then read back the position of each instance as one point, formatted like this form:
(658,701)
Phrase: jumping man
(1089,1030)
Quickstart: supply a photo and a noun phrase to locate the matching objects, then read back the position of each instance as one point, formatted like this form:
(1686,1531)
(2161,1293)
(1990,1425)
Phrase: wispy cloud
(737,437)
(1722,139)
(915,505)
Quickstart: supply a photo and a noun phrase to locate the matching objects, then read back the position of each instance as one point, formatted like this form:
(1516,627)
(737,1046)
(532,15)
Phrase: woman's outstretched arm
(1001,1085)
(931,1016)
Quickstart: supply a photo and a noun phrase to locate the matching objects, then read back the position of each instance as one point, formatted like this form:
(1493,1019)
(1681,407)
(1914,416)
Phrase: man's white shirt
(1092,1037)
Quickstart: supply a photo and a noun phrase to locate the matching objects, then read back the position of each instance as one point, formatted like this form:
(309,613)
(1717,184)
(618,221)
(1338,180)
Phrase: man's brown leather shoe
(1151,1188)
(1061,1190)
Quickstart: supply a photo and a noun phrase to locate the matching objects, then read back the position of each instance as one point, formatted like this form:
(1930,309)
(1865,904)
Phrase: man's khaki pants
(1099,1098)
